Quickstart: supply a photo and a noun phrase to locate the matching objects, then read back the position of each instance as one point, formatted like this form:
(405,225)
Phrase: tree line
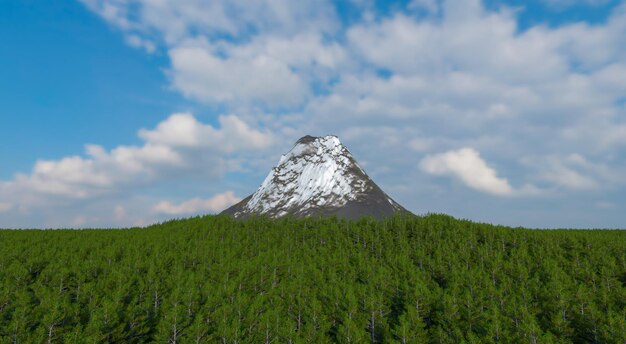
(405,279)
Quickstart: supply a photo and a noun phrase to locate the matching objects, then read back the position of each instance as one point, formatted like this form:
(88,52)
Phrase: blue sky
(126,112)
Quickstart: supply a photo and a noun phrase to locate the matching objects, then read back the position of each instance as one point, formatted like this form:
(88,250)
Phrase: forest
(405,279)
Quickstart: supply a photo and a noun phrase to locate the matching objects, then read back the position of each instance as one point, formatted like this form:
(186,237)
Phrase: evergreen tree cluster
(408,279)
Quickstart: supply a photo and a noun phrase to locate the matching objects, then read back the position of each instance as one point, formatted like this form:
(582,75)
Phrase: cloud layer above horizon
(441,101)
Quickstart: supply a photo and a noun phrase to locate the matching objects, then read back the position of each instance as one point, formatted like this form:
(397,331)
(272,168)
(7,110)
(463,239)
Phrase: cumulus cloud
(199,74)
(473,62)
(575,172)
(275,71)
(179,145)
(267,52)
(176,20)
(467,165)
(467,37)
(197,205)
(184,130)
(138,42)
(569,178)
(563,175)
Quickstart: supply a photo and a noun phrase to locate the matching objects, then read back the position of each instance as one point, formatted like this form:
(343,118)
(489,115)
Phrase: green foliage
(430,279)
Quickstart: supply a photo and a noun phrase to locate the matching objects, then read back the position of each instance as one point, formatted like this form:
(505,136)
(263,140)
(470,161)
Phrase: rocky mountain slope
(318,177)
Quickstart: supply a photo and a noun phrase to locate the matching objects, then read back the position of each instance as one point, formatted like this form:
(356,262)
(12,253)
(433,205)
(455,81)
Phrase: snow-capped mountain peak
(318,176)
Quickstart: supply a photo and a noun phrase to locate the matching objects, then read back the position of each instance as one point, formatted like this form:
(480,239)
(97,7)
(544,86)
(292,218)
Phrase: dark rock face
(318,177)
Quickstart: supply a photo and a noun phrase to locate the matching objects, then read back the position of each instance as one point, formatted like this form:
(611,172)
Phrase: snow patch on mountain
(317,177)
(316,172)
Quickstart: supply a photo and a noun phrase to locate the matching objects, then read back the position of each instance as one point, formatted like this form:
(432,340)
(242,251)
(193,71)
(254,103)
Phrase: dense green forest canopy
(411,279)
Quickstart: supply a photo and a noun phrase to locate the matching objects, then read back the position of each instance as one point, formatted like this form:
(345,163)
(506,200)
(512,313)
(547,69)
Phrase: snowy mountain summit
(318,177)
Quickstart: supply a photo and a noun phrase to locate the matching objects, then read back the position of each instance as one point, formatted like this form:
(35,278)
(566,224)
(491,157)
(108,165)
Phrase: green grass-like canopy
(408,279)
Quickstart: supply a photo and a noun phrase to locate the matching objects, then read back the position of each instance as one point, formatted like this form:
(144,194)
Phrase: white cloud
(575,172)
(476,63)
(99,172)
(198,205)
(115,12)
(569,178)
(178,145)
(138,42)
(308,54)
(266,52)
(466,37)
(184,130)
(176,20)
(199,74)
(467,165)
(562,173)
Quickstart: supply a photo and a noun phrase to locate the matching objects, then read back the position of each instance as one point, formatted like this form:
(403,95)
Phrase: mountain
(318,177)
